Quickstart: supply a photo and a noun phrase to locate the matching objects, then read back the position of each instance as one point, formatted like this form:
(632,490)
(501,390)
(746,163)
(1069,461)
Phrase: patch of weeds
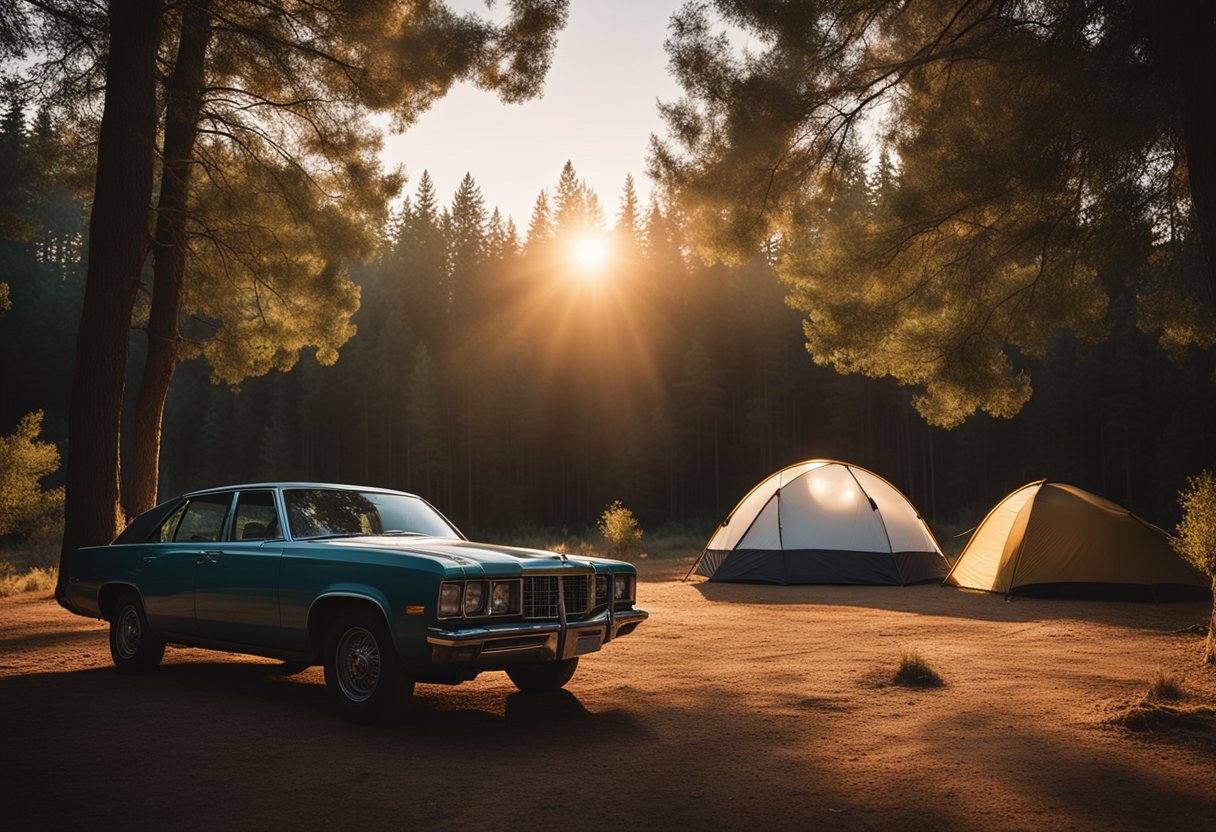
(915,671)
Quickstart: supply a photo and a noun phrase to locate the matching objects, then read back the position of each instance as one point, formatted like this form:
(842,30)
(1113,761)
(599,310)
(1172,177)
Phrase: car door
(236,587)
(170,558)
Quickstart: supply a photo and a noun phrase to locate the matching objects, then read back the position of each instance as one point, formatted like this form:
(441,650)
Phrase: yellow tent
(1051,538)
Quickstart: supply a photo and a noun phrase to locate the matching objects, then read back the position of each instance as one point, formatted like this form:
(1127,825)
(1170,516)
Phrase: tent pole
(697,562)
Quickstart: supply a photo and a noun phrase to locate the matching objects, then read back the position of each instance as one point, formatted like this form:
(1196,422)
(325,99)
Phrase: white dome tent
(823,522)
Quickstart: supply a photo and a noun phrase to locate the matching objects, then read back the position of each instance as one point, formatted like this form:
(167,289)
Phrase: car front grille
(541,595)
(576,590)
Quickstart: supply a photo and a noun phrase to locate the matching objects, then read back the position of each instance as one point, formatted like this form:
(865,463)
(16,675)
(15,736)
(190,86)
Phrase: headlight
(601,589)
(449,600)
(474,597)
(504,597)
(622,587)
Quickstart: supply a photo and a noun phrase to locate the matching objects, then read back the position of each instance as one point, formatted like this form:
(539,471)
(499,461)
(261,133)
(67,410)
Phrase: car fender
(358,592)
(110,590)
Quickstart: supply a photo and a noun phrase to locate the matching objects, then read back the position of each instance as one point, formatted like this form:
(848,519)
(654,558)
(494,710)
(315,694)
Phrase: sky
(598,110)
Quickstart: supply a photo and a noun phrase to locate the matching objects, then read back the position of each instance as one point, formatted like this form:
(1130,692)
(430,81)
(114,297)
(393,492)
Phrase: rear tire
(133,646)
(548,676)
(362,670)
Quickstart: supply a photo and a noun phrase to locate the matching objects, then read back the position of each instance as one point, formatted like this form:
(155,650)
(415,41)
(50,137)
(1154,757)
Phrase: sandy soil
(733,707)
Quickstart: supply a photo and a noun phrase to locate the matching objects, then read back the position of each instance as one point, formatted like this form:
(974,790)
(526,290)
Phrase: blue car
(375,585)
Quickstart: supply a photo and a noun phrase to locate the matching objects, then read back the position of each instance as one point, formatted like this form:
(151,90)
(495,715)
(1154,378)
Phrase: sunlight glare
(590,252)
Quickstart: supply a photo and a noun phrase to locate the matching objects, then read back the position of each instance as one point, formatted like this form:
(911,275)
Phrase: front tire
(362,670)
(549,676)
(133,646)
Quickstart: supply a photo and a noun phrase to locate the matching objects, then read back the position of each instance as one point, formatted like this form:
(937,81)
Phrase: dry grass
(1165,688)
(1159,709)
(14,581)
(915,671)
(1153,717)
(670,540)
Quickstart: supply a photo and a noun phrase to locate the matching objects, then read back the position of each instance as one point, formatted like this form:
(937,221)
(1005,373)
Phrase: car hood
(492,559)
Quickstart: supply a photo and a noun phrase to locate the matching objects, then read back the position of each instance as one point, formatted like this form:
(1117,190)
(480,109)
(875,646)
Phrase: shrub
(915,671)
(1196,540)
(619,528)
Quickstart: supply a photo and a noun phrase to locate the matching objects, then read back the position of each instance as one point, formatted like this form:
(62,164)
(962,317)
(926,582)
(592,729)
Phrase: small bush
(619,528)
(1165,688)
(915,671)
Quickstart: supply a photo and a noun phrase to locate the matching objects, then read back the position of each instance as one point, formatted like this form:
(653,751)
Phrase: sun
(589,252)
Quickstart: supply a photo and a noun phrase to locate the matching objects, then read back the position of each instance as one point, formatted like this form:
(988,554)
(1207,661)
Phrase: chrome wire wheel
(129,632)
(358,664)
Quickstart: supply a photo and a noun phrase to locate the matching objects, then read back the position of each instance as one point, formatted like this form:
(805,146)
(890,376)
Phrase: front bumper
(501,645)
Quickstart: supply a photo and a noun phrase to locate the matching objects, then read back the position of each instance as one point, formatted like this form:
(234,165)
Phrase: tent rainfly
(1048,538)
(823,522)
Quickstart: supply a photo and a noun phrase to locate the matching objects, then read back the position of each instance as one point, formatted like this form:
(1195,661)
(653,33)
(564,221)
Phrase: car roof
(250,486)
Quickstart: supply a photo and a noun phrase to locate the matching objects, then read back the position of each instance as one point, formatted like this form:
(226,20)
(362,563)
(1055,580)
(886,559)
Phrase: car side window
(204,518)
(165,533)
(256,517)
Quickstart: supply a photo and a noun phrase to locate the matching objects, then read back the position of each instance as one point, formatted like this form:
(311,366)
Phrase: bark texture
(118,238)
(183,102)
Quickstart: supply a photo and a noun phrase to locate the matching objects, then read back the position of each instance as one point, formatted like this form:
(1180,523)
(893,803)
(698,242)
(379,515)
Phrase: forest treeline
(493,374)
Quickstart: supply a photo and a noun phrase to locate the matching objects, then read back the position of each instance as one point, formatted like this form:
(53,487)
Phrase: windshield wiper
(401,533)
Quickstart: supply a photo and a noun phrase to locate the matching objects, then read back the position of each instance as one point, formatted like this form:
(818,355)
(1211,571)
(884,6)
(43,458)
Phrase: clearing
(733,707)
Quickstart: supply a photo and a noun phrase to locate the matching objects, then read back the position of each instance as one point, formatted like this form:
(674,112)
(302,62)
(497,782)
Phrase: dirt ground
(734,707)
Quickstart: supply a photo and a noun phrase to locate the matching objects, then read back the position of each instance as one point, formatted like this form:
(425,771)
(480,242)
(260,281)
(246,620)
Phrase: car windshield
(331,512)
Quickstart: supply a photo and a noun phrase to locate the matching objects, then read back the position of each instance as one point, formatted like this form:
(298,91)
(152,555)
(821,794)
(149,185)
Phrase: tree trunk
(118,238)
(1197,67)
(1209,646)
(183,102)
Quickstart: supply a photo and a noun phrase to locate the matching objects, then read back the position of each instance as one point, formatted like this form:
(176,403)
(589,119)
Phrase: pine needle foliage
(1012,198)
(25,508)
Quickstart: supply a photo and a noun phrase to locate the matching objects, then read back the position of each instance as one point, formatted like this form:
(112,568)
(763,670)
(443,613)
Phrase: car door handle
(206,557)
(150,558)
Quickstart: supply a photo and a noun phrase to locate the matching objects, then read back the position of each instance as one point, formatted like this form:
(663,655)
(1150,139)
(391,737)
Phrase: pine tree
(511,244)
(466,238)
(540,226)
(14,168)
(569,202)
(422,265)
(278,66)
(496,238)
(627,221)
